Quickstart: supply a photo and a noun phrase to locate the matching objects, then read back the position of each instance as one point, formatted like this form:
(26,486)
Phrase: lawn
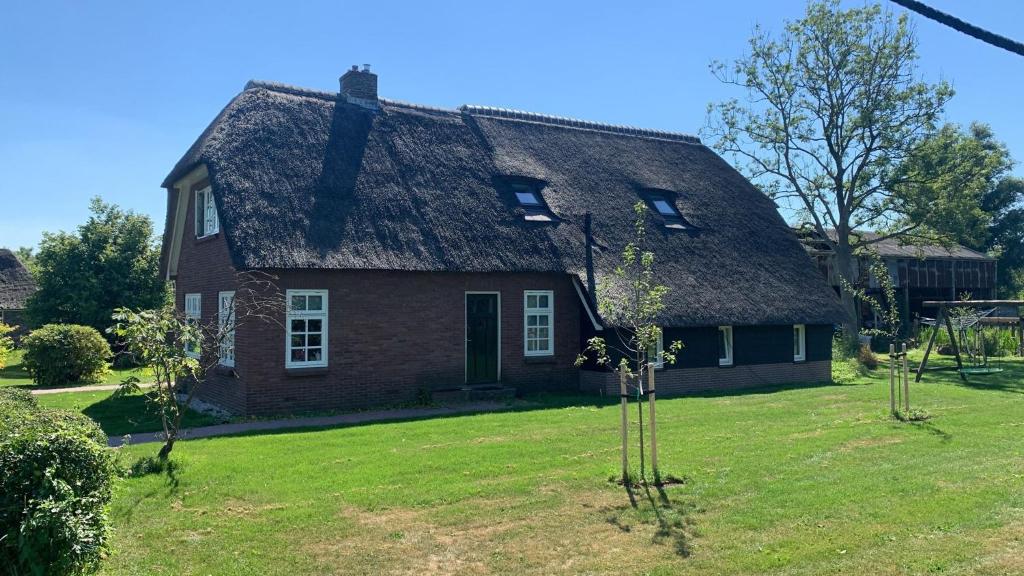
(118,415)
(14,374)
(814,480)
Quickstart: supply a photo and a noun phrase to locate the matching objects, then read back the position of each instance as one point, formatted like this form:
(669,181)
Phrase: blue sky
(101,98)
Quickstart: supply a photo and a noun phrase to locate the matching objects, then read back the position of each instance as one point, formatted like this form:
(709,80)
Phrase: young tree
(181,351)
(631,301)
(112,261)
(833,106)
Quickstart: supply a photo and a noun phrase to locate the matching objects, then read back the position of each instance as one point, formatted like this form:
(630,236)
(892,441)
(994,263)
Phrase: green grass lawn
(798,481)
(14,374)
(120,415)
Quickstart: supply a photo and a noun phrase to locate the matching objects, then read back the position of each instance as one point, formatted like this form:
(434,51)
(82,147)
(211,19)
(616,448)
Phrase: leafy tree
(833,107)
(979,204)
(112,261)
(631,301)
(162,338)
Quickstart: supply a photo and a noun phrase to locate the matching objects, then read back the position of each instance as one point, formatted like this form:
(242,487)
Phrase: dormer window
(529,197)
(207,222)
(664,204)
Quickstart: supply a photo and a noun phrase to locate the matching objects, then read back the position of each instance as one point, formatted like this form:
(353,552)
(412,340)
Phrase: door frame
(465,331)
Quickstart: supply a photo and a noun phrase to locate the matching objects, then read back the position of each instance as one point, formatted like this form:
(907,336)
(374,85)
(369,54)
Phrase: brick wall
(682,381)
(394,334)
(205,268)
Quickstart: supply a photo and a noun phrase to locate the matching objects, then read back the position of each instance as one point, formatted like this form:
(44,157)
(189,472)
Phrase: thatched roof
(303,180)
(892,247)
(16,284)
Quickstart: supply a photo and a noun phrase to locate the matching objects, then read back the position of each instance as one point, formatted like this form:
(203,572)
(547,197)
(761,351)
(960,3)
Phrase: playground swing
(971,336)
(966,334)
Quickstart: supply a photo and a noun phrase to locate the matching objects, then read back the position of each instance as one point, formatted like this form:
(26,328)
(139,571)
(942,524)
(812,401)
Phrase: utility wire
(964,27)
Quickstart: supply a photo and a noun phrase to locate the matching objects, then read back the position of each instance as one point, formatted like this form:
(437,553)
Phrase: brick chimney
(360,87)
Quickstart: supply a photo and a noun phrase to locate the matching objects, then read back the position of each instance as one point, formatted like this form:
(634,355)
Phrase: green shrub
(55,485)
(60,354)
(867,358)
(6,343)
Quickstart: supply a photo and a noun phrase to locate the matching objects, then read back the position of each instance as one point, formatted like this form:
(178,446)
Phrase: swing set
(966,333)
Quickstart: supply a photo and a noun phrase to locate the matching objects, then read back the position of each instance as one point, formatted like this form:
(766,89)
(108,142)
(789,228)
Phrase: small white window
(656,355)
(193,315)
(207,222)
(538,320)
(226,325)
(306,340)
(725,345)
(799,343)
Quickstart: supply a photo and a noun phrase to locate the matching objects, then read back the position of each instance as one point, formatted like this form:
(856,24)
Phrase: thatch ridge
(305,180)
(16,282)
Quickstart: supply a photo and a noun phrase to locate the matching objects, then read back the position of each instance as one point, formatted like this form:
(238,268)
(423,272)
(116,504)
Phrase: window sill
(546,359)
(303,372)
(729,365)
(207,238)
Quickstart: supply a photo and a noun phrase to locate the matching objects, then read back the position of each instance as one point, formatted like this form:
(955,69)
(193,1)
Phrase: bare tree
(181,350)
(833,108)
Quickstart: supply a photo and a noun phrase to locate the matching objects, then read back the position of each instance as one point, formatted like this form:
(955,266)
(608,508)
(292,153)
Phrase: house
(16,285)
(919,272)
(423,248)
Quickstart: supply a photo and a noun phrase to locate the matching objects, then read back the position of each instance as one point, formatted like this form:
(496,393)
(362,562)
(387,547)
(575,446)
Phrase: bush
(60,354)
(6,343)
(55,485)
(867,358)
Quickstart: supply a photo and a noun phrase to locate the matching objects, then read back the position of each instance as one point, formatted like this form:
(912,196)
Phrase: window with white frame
(207,222)
(226,328)
(193,315)
(538,319)
(725,345)
(799,343)
(656,353)
(306,343)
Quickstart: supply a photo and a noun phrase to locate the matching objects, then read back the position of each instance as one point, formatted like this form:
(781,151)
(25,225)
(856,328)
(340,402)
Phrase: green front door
(481,338)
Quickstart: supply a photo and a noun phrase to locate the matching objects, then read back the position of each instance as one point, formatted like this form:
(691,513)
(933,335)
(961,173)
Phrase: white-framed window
(207,222)
(226,328)
(799,343)
(538,322)
(725,345)
(656,354)
(306,339)
(193,315)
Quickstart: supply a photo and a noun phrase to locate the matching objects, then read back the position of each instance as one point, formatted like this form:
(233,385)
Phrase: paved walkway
(94,388)
(316,422)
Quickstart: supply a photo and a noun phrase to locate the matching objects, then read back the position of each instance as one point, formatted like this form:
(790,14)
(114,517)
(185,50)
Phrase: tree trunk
(165,451)
(845,268)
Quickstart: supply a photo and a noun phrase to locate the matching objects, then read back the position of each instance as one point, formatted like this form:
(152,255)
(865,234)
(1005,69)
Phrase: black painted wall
(751,344)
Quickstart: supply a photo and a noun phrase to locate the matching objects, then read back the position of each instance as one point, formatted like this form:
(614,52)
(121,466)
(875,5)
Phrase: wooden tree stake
(654,437)
(625,425)
(906,381)
(892,379)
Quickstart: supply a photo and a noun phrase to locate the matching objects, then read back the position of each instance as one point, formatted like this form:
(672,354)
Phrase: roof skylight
(527,197)
(664,208)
